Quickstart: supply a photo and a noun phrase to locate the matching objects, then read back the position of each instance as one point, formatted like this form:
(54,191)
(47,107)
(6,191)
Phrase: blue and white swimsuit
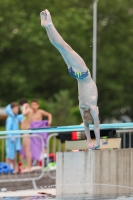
(78,75)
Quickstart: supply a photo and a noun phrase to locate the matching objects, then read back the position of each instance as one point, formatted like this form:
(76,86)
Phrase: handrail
(62,129)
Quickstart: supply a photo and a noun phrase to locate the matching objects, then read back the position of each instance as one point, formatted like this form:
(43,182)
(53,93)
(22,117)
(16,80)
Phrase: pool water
(24,198)
(66,198)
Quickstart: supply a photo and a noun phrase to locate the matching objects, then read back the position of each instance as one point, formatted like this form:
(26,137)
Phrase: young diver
(77,68)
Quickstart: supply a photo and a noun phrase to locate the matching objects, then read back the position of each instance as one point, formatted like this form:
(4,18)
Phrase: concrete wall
(95,172)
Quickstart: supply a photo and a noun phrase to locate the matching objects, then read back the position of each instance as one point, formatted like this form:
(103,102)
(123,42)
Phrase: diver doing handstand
(77,68)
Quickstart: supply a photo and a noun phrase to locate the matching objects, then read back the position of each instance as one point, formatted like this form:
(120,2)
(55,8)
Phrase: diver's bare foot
(45,18)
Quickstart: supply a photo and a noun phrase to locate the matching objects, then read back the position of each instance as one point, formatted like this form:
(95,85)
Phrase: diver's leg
(70,56)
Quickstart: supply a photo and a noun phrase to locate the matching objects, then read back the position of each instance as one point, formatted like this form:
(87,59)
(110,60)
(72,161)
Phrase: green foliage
(60,107)
(115,83)
(32,67)
(75,111)
(2,145)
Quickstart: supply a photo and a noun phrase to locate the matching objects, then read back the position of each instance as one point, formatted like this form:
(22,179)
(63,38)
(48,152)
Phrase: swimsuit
(78,75)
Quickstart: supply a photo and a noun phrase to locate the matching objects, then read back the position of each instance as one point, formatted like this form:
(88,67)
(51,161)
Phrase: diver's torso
(87,92)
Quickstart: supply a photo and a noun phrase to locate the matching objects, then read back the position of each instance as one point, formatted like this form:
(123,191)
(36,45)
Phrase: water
(49,195)
(24,198)
(67,198)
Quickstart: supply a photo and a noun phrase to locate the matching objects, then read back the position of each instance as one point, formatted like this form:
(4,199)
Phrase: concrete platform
(106,143)
(96,173)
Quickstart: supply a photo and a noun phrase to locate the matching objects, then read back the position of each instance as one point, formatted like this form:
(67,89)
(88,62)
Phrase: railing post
(48,150)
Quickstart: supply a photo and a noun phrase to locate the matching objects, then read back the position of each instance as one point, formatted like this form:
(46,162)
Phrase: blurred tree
(29,63)
(61,108)
(115,59)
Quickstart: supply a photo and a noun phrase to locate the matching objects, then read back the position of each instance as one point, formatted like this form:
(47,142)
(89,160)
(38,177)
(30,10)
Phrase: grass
(2,154)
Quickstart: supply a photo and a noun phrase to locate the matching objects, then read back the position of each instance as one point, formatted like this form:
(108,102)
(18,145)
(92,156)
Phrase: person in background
(38,122)
(38,114)
(25,124)
(13,143)
(32,114)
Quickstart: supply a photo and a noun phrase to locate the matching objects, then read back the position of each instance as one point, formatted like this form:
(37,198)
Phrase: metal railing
(127,138)
(53,145)
(10,175)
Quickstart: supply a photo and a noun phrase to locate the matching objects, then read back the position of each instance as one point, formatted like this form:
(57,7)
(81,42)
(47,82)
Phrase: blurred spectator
(36,142)
(32,118)
(38,122)
(37,117)
(25,124)
(38,114)
(13,144)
